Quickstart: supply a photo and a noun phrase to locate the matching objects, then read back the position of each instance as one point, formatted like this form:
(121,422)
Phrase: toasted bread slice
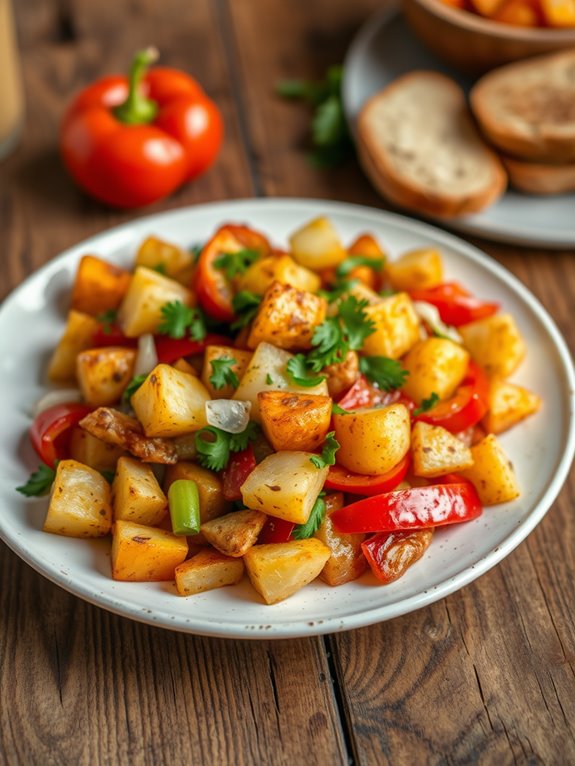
(540,178)
(527,108)
(419,146)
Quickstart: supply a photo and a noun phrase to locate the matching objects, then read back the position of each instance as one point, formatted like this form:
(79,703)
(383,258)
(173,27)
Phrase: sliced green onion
(184,503)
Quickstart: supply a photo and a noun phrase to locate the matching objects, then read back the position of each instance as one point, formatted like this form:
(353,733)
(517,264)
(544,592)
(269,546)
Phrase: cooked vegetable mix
(287,414)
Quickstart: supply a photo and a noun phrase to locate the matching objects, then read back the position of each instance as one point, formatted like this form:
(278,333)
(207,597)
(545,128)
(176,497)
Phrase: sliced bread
(540,178)
(527,108)
(419,146)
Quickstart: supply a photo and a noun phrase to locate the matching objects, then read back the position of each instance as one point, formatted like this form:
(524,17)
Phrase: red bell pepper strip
(465,408)
(51,430)
(130,141)
(170,349)
(250,238)
(358,484)
(112,335)
(391,553)
(406,509)
(276,531)
(455,304)
(239,467)
(213,288)
(364,394)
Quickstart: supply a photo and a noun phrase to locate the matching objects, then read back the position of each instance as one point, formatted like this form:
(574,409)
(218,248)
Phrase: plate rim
(470,225)
(307,627)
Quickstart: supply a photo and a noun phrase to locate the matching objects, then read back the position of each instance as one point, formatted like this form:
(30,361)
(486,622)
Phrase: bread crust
(527,108)
(540,178)
(410,194)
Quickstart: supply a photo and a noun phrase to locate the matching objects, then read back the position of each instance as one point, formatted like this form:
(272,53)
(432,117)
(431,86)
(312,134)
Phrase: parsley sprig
(386,373)
(39,483)
(316,516)
(179,320)
(245,305)
(337,335)
(327,457)
(300,373)
(107,319)
(350,263)
(426,404)
(222,374)
(235,264)
(214,445)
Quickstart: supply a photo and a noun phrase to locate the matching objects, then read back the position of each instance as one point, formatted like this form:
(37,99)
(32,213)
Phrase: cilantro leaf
(39,483)
(239,442)
(337,335)
(345,267)
(329,125)
(269,380)
(340,288)
(107,319)
(316,516)
(337,410)
(386,373)
(234,264)
(161,268)
(426,404)
(132,387)
(179,320)
(213,451)
(245,305)
(356,322)
(223,375)
(300,373)
(327,457)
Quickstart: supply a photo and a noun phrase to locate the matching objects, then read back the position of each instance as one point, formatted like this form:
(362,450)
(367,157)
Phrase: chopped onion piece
(228,414)
(53,398)
(147,357)
(430,315)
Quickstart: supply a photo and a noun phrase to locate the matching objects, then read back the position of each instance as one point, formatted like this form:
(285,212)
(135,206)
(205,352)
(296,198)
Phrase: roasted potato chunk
(80,502)
(137,496)
(294,421)
(435,365)
(415,270)
(164,257)
(145,554)
(396,327)
(346,562)
(342,375)
(94,452)
(508,404)
(278,268)
(99,286)
(436,451)
(492,472)
(235,533)
(149,291)
(495,343)
(317,245)
(78,336)
(207,570)
(104,373)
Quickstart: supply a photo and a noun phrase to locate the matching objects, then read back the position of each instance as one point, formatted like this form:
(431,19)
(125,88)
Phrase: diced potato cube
(241,361)
(287,317)
(170,402)
(164,257)
(207,570)
(396,327)
(495,343)
(104,373)
(235,533)
(294,421)
(558,13)
(94,452)
(286,485)
(435,365)
(80,502)
(210,490)
(279,570)
(372,441)
(78,336)
(346,562)
(145,554)
(149,291)
(436,451)
(317,245)
(416,270)
(508,404)
(492,473)
(527,13)
(137,496)
(184,366)
(368,247)
(342,375)
(99,286)
(278,268)
(267,371)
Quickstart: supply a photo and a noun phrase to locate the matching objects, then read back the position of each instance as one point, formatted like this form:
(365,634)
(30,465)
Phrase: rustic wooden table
(485,676)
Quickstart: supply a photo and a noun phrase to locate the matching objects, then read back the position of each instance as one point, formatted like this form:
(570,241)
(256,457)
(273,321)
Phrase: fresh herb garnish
(39,482)
(214,451)
(337,410)
(327,457)
(245,305)
(239,442)
(300,373)
(316,516)
(161,268)
(234,264)
(269,380)
(223,375)
(179,320)
(196,250)
(426,404)
(385,372)
(340,288)
(337,335)
(132,387)
(107,319)
(350,263)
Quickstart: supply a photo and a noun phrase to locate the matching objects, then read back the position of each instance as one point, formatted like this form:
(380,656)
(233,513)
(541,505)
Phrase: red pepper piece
(455,304)
(130,141)
(389,555)
(112,335)
(466,407)
(51,430)
(406,509)
(170,349)
(239,467)
(364,394)
(276,531)
(213,288)
(358,484)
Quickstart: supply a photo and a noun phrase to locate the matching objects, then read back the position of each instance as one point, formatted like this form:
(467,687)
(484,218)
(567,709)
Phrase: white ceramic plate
(32,319)
(384,49)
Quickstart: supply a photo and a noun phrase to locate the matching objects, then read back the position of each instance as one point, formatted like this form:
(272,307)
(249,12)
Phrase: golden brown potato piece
(80,502)
(104,373)
(114,427)
(294,421)
(436,451)
(207,570)
(78,336)
(415,270)
(234,534)
(164,257)
(317,245)
(495,343)
(434,365)
(287,317)
(346,562)
(278,268)
(396,327)
(492,473)
(508,404)
(342,375)
(145,554)
(90,450)
(213,353)
(137,496)
(99,286)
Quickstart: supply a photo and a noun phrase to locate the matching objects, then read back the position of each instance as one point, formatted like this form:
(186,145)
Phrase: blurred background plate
(384,49)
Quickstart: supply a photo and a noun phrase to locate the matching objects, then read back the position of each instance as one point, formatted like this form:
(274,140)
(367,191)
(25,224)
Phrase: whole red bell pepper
(455,304)
(406,509)
(130,141)
(51,430)
(466,407)
(359,484)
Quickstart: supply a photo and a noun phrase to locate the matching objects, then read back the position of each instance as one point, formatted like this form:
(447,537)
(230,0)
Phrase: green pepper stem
(137,109)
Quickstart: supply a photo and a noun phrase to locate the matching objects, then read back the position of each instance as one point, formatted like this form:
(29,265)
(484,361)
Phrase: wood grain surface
(485,676)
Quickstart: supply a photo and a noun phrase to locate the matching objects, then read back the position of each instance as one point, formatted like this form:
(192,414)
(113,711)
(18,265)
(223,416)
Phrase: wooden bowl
(474,44)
